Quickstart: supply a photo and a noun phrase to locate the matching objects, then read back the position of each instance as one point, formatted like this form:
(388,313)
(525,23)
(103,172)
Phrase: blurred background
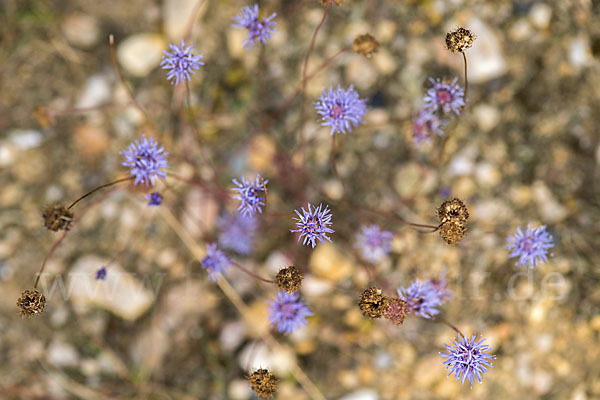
(527,149)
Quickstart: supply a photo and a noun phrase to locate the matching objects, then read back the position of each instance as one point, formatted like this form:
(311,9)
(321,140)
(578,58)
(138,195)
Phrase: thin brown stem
(98,188)
(192,19)
(252,274)
(334,163)
(399,218)
(466,79)
(76,110)
(115,63)
(304,68)
(444,321)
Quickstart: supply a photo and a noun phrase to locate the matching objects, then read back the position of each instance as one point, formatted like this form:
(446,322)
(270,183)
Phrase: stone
(330,264)
(485,58)
(97,91)
(362,394)
(62,354)
(176,16)
(141,53)
(81,30)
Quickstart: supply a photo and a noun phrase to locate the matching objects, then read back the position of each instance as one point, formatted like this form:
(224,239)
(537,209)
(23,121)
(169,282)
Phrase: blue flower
(531,247)
(288,312)
(421,298)
(237,232)
(101,273)
(180,63)
(215,261)
(445,97)
(341,108)
(313,224)
(145,160)
(374,243)
(467,359)
(425,125)
(248,195)
(258,29)
(155,199)
(440,287)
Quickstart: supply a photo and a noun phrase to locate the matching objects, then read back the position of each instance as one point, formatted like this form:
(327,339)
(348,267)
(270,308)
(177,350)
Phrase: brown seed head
(44,117)
(372,303)
(453,210)
(264,383)
(31,302)
(57,217)
(365,45)
(396,311)
(453,231)
(289,279)
(460,40)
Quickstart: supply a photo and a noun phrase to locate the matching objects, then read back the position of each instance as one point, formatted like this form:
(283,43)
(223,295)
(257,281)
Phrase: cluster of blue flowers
(423,297)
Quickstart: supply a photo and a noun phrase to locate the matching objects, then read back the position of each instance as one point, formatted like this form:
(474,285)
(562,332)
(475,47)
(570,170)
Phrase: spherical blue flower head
(313,224)
(288,312)
(251,202)
(215,261)
(445,96)
(154,199)
(341,108)
(145,160)
(467,359)
(181,63)
(258,29)
(421,298)
(374,243)
(530,246)
(237,232)
(101,273)
(425,125)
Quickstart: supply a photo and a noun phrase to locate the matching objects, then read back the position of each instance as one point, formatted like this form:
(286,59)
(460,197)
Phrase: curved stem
(252,274)
(304,68)
(98,188)
(466,79)
(444,321)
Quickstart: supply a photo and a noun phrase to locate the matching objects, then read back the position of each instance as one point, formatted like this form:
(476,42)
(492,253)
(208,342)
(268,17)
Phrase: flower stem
(98,188)
(252,274)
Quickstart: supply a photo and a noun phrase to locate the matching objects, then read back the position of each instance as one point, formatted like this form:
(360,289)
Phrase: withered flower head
(460,40)
(372,303)
(289,279)
(264,383)
(452,210)
(31,302)
(453,215)
(396,311)
(57,217)
(453,231)
(365,45)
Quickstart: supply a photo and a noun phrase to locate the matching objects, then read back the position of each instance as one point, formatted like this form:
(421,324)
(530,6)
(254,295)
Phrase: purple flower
(101,273)
(313,224)
(425,125)
(215,261)
(340,108)
(258,29)
(180,63)
(288,312)
(155,199)
(374,243)
(237,232)
(248,195)
(445,97)
(421,298)
(531,247)
(145,160)
(467,359)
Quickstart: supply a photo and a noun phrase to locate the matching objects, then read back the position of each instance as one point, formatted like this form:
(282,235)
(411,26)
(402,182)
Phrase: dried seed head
(365,45)
(289,279)
(396,311)
(460,40)
(264,383)
(57,217)
(44,117)
(453,231)
(31,302)
(452,210)
(373,304)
